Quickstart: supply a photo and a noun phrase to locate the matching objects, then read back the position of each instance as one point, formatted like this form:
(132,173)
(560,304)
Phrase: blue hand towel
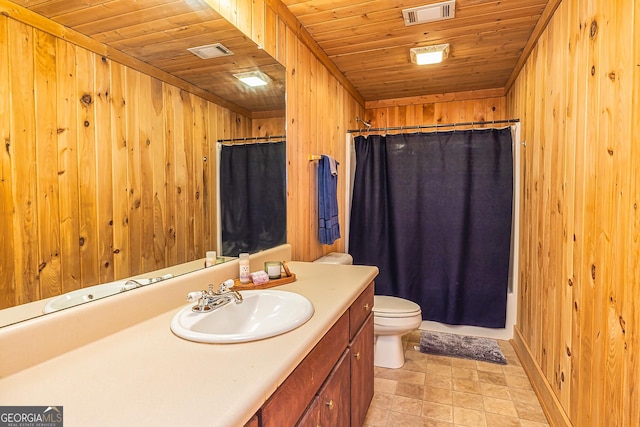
(329,228)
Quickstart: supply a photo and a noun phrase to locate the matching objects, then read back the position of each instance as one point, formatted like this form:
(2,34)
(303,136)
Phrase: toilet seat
(394,307)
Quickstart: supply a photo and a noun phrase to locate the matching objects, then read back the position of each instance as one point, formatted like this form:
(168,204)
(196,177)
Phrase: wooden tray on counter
(270,284)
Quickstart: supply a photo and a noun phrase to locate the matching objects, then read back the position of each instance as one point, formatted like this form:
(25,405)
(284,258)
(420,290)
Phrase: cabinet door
(253,422)
(361,350)
(311,418)
(335,396)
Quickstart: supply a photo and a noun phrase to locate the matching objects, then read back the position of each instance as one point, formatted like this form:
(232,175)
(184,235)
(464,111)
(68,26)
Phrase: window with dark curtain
(253,200)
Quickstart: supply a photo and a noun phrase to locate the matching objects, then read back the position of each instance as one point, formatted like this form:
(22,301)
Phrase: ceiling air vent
(210,51)
(430,13)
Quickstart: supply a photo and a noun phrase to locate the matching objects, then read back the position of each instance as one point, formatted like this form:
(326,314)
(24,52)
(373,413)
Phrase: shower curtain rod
(436,126)
(255,139)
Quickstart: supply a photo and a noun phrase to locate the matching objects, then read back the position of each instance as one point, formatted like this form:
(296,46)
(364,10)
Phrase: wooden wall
(319,112)
(321,106)
(449,108)
(578,97)
(102,171)
(146,193)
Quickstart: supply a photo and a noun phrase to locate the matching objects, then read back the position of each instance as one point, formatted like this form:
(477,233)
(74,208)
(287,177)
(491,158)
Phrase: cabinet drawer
(291,399)
(359,310)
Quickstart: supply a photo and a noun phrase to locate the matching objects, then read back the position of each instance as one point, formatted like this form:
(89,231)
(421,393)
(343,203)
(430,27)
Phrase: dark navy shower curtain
(253,199)
(433,212)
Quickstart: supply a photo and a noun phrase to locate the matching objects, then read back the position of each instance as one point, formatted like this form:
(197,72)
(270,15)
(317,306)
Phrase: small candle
(210,259)
(273,269)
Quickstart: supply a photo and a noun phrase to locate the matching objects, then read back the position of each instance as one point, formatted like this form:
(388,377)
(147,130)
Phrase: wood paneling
(103,167)
(321,107)
(268,126)
(363,44)
(369,42)
(463,107)
(158,33)
(577,97)
(319,112)
(7,260)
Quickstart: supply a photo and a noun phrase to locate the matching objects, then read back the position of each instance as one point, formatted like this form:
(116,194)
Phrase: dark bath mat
(466,347)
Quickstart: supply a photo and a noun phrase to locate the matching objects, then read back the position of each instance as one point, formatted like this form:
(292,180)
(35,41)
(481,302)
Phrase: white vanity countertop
(144,375)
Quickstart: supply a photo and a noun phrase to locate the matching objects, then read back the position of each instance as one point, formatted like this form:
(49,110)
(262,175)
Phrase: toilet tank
(336,258)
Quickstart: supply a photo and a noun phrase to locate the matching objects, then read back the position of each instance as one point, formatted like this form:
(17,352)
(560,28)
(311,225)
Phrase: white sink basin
(95,292)
(83,295)
(262,314)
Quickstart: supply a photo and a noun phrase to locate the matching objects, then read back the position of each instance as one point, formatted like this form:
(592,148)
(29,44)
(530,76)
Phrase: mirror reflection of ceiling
(159,32)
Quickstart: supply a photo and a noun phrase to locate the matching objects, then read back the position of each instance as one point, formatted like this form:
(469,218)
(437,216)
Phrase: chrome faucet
(212,300)
(138,283)
(131,284)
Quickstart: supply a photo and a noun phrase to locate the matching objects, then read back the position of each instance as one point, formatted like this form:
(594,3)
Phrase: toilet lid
(387,306)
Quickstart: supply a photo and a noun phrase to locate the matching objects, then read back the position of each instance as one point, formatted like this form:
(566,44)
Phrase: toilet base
(389,352)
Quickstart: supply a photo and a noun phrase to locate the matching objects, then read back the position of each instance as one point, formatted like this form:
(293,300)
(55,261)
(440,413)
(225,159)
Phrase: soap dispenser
(245,268)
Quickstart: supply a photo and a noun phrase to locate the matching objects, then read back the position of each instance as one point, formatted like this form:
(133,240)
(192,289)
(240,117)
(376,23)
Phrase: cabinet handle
(329,404)
(357,356)
(366,307)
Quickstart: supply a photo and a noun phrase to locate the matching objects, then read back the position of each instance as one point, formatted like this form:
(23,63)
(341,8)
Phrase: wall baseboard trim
(551,406)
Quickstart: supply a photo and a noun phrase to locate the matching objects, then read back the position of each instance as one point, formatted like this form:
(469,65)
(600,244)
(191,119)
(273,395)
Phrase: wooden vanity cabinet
(361,341)
(333,385)
(291,399)
(361,354)
(253,422)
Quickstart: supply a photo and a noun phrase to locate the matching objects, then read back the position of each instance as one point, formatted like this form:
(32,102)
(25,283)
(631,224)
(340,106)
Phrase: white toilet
(393,317)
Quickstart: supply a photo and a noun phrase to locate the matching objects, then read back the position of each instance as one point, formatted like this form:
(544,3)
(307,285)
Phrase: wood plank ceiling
(158,32)
(366,39)
(369,42)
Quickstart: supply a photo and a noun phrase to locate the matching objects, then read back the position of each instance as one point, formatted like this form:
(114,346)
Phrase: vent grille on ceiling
(430,13)
(210,51)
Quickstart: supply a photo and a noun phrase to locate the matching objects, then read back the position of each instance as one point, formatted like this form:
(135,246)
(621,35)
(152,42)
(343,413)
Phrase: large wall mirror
(108,167)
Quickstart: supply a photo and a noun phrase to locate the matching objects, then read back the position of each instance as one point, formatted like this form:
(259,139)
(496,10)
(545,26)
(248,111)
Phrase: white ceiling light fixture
(429,54)
(209,51)
(253,78)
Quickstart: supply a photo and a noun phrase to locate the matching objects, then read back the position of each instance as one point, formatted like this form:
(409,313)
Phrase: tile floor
(437,391)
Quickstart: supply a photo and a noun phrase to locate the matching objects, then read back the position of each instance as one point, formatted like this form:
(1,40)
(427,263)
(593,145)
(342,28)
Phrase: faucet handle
(194,296)
(226,285)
